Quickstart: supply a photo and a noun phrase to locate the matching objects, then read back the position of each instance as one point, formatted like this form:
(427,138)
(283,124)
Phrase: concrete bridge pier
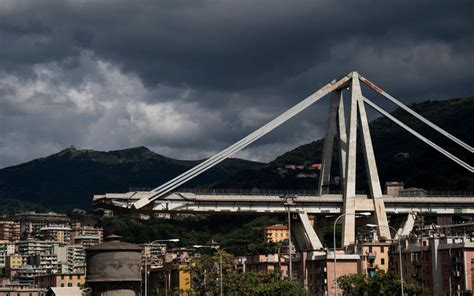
(407,225)
(305,237)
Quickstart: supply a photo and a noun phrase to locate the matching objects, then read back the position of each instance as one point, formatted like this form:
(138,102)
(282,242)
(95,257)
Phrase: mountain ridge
(70,177)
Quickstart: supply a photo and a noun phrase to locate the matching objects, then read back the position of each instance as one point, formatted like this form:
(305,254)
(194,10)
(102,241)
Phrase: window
(382,260)
(382,250)
(62,276)
(62,285)
(69,284)
(370,249)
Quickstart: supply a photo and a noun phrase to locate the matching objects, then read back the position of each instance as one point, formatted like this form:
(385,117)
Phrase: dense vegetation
(205,278)
(9,207)
(238,235)
(383,283)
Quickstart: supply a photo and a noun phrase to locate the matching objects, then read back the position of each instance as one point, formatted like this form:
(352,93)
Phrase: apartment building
(267,263)
(26,274)
(78,230)
(443,265)
(320,269)
(276,233)
(56,233)
(76,259)
(14,261)
(32,222)
(33,247)
(373,256)
(60,280)
(22,291)
(6,249)
(86,240)
(48,262)
(9,231)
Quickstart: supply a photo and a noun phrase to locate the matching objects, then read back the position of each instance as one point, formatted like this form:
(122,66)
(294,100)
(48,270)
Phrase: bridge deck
(328,203)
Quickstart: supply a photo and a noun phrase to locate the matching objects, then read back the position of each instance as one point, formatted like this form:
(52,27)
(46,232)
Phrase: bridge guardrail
(306,192)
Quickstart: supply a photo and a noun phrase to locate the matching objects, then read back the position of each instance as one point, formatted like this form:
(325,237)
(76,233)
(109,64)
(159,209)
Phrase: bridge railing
(425,193)
(255,191)
(307,192)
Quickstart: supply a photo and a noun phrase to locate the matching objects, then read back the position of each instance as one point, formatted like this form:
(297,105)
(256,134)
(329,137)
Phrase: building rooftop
(277,227)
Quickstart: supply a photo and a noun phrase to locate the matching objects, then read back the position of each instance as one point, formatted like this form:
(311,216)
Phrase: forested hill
(400,156)
(71,177)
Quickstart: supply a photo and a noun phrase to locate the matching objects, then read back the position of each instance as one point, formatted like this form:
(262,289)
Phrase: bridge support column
(372,172)
(407,225)
(342,136)
(324,174)
(304,234)
(357,115)
(348,222)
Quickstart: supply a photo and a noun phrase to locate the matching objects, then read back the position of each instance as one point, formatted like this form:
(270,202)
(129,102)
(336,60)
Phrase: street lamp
(362,214)
(399,251)
(174,240)
(215,247)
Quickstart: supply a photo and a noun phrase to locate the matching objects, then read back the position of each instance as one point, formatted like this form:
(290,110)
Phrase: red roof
(277,227)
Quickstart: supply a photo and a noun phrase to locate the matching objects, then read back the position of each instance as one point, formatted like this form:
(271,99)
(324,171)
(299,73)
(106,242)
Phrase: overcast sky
(188,78)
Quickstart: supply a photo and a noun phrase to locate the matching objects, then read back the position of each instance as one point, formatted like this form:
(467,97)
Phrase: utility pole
(289,201)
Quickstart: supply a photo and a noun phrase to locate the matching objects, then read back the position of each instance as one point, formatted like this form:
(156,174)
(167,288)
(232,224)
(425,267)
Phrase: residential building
(33,247)
(168,278)
(86,240)
(15,291)
(79,230)
(48,262)
(26,274)
(267,263)
(60,280)
(443,265)
(56,233)
(32,222)
(76,258)
(276,233)
(10,231)
(6,249)
(320,270)
(373,256)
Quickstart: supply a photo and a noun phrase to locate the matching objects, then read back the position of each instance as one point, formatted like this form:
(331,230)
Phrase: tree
(383,283)
(205,279)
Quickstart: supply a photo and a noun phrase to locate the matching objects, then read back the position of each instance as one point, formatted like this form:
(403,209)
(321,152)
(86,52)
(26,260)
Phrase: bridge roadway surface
(272,201)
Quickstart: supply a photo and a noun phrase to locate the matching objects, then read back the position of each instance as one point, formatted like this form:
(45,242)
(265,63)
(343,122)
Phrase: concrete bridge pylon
(347,159)
(162,198)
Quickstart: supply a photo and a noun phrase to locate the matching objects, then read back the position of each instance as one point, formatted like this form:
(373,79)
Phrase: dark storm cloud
(232,65)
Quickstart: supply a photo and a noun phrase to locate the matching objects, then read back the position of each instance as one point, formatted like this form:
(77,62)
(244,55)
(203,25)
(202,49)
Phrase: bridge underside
(186,202)
(309,212)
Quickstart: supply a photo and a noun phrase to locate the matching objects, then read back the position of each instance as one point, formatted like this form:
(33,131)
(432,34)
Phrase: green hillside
(400,156)
(71,177)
